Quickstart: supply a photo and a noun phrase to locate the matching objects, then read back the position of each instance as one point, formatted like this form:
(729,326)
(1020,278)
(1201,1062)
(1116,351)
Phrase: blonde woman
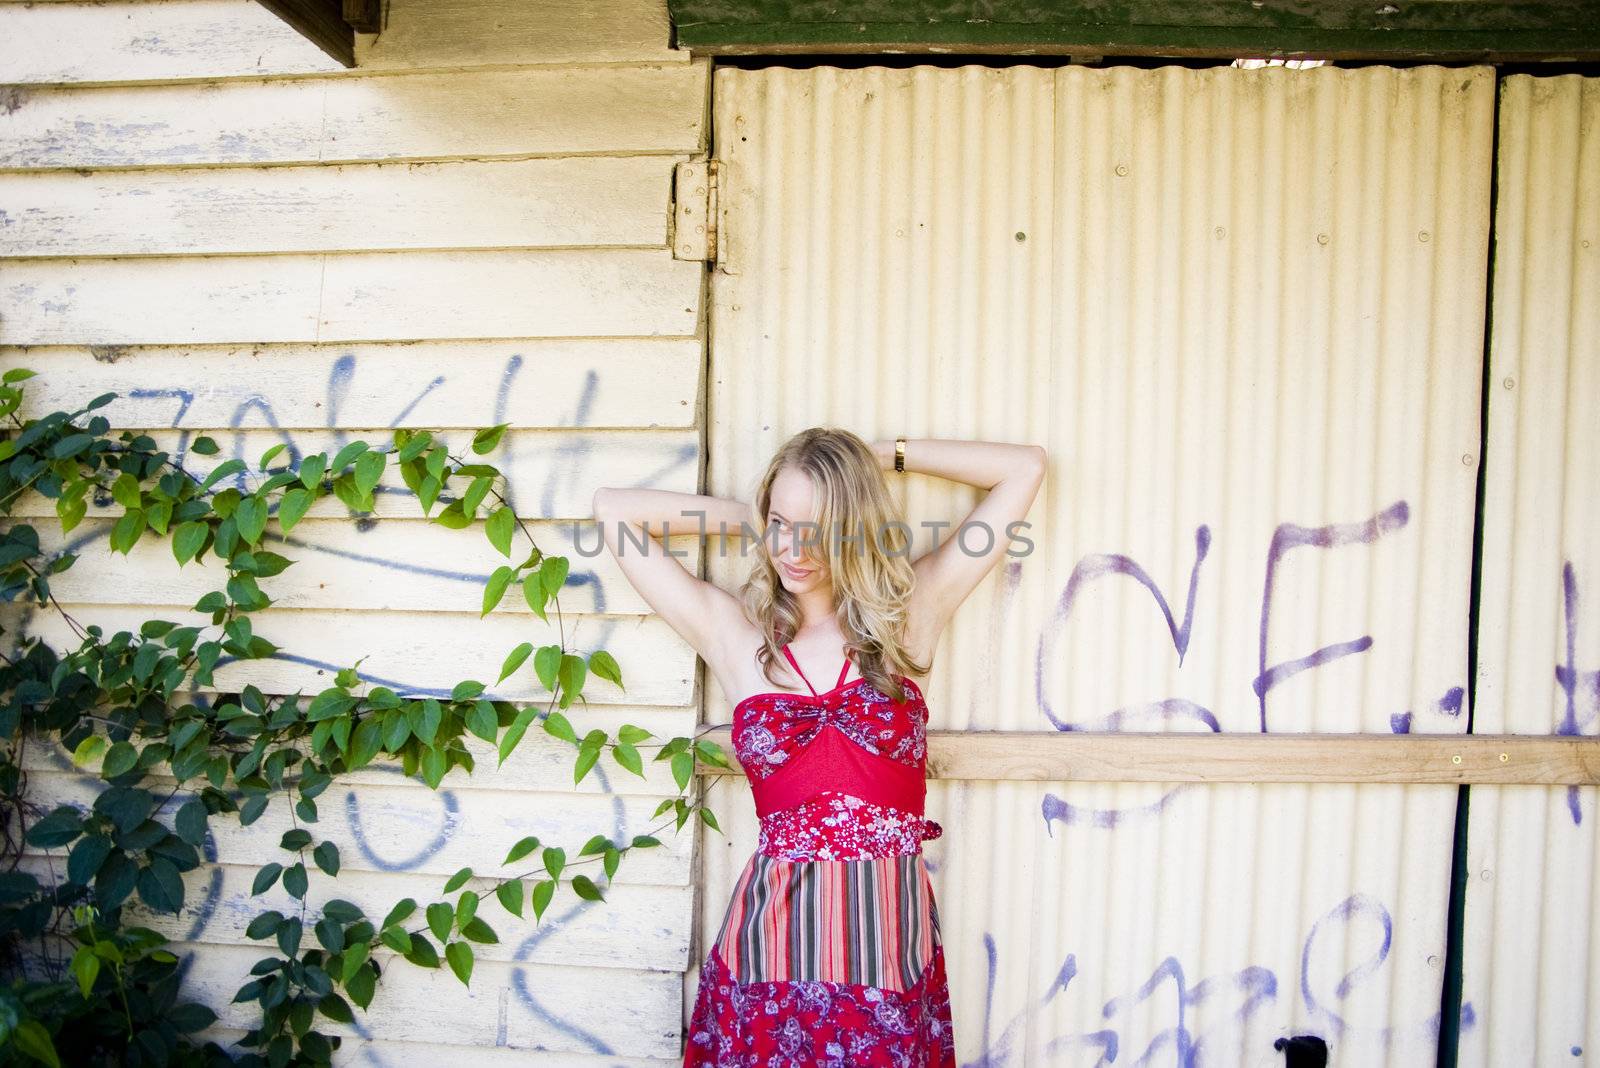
(829,952)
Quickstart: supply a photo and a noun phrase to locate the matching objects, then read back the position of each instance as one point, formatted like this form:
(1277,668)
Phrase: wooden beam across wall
(1473,31)
(1091,756)
(331,25)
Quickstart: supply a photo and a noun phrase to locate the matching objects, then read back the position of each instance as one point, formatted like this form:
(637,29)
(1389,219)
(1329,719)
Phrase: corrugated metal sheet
(1531,976)
(1243,309)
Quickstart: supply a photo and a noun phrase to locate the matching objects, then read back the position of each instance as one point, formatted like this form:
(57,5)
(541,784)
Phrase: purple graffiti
(1571,680)
(1289,536)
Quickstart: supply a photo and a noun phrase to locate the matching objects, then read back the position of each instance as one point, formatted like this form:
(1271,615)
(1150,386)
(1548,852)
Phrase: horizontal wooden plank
(409,652)
(1102,756)
(102,41)
(529,111)
(376,1052)
(516,1006)
(540,762)
(551,476)
(535,203)
(541,383)
(407,827)
(350,296)
(1464,30)
(391,565)
(637,928)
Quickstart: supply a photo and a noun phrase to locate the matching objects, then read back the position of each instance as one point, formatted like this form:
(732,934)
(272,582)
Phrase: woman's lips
(794,573)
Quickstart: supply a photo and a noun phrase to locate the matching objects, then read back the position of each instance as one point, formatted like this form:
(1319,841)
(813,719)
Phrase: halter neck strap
(843,671)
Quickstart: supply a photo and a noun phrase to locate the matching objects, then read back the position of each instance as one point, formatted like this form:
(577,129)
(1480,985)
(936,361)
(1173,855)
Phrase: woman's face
(796,547)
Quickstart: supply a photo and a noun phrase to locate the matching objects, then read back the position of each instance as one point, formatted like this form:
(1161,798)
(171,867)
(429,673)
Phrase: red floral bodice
(856,790)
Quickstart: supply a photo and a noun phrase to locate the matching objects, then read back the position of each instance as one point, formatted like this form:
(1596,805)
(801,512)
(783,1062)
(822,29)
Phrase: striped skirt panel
(872,921)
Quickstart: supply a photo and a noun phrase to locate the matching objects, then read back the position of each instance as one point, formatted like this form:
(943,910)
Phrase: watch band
(899,454)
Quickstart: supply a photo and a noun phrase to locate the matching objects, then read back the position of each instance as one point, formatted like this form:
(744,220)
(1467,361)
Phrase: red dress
(829,952)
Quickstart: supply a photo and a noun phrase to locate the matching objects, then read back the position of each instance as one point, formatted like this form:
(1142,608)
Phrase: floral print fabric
(839,826)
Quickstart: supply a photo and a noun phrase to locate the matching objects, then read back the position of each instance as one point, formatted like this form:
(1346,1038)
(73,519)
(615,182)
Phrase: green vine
(116,700)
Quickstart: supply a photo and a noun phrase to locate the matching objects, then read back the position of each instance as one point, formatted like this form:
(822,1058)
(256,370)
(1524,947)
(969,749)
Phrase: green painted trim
(728,38)
(1473,29)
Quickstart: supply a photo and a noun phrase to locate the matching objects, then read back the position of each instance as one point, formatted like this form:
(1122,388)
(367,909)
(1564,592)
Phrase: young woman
(829,952)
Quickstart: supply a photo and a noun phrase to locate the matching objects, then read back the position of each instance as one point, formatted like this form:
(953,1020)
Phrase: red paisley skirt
(833,963)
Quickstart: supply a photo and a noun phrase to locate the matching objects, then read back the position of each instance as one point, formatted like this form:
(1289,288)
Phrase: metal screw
(1466,458)
(1122,170)
(1510,383)
(1422,235)
(1322,239)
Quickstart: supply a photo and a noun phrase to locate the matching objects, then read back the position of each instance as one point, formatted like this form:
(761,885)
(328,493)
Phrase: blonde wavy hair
(868,559)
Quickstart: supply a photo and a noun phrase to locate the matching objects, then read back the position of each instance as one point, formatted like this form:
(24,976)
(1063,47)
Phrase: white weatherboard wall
(1531,976)
(1244,311)
(203,213)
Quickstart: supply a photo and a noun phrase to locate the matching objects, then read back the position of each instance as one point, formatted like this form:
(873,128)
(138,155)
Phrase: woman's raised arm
(631,520)
(1011,473)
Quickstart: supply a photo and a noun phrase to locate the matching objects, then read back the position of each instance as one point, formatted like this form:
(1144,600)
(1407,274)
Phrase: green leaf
(466,689)
(398,914)
(295,881)
(682,768)
(266,877)
(327,857)
(265,925)
(466,908)
(494,590)
(547,665)
(488,439)
(585,888)
(91,747)
(295,504)
(459,954)
(346,454)
(205,445)
(85,969)
(604,665)
(441,918)
(482,721)
(458,880)
(628,757)
(250,517)
(435,763)
(543,891)
(361,986)
(160,886)
(584,764)
(555,858)
(369,470)
(190,822)
(336,1008)
(120,759)
(34,1041)
(500,526)
(422,952)
(510,895)
(557,725)
(515,660)
(312,468)
(522,849)
(553,574)
(518,728)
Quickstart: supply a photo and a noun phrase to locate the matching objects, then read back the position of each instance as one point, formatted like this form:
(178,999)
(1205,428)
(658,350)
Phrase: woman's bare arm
(631,520)
(949,573)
